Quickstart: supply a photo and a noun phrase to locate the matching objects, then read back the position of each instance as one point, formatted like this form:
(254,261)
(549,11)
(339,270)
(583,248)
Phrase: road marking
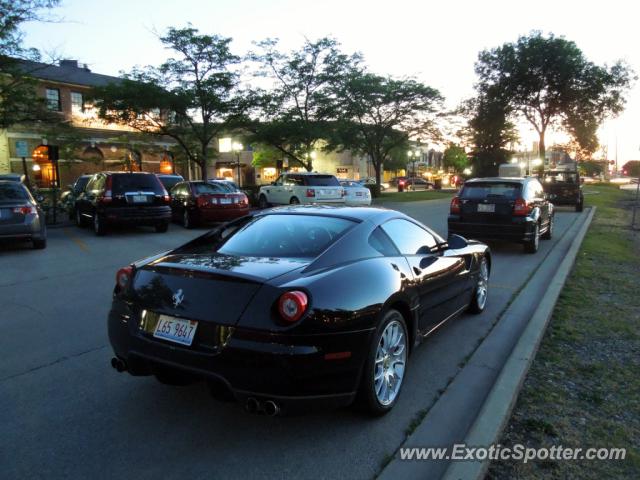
(76,240)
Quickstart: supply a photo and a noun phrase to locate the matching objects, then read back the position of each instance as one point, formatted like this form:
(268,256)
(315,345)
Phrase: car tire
(294,201)
(481,292)
(532,245)
(99,228)
(262,202)
(39,243)
(187,220)
(162,227)
(378,393)
(549,233)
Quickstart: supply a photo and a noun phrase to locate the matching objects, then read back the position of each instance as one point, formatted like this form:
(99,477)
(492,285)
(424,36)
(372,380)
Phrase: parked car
(307,187)
(13,177)
(202,202)
(417,183)
(290,307)
(515,209)
(226,180)
(21,218)
(169,181)
(372,181)
(111,198)
(68,197)
(356,193)
(564,188)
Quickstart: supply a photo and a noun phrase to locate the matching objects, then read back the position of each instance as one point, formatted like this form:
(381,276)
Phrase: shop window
(77,103)
(53,99)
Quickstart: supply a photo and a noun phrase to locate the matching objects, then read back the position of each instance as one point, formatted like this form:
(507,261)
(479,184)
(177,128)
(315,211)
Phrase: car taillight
(455,205)
(201,201)
(292,305)
(521,207)
(123,277)
(25,209)
(311,192)
(401,182)
(244,200)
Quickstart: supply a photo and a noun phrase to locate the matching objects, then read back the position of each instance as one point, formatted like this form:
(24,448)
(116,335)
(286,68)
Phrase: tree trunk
(541,147)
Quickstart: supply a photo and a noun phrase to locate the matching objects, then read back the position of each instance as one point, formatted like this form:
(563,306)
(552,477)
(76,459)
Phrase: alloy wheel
(482,288)
(391,357)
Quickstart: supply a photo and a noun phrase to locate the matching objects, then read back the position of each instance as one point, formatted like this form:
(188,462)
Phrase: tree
(455,157)
(381,114)
(298,112)
(19,101)
(548,82)
(489,132)
(266,156)
(191,98)
(632,168)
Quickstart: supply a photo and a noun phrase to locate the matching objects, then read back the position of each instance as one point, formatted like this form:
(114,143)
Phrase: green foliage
(591,168)
(192,97)
(632,168)
(548,82)
(19,101)
(266,156)
(380,114)
(296,114)
(455,157)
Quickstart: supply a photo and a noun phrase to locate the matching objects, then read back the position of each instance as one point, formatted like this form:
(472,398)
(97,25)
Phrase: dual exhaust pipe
(268,407)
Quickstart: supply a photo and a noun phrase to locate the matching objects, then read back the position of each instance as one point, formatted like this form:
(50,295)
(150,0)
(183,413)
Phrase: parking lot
(68,412)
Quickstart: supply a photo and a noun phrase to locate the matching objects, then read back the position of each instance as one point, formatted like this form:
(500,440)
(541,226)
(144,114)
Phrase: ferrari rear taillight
(25,209)
(311,192)
(521,208)
(455,205)
(123,277)
(292,305)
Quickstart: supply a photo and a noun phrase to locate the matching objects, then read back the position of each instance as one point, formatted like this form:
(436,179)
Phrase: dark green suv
(564,188)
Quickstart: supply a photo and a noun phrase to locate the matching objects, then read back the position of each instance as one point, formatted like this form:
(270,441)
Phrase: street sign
(22,148)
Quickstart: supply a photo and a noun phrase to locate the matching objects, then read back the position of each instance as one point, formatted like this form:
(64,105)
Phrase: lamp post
(413,158)
(237,148)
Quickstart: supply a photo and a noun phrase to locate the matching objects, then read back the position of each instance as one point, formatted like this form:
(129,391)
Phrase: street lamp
(413,158)
(237,148)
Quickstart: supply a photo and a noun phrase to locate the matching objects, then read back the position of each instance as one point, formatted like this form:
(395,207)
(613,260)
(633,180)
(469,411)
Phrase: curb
(498,405)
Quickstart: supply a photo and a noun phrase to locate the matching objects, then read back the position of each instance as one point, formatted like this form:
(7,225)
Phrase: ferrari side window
(409,237)
(379,240)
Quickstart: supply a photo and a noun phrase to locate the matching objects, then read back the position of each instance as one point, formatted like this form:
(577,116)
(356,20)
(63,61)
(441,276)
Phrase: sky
(437,42)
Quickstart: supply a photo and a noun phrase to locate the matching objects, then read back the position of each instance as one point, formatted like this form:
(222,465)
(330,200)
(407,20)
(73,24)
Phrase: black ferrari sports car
(295,306)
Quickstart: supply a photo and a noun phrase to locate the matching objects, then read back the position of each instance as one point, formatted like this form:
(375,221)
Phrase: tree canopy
(192,97)
(296,114)
(380,114)
(19,101)
(455,157)
(547,81)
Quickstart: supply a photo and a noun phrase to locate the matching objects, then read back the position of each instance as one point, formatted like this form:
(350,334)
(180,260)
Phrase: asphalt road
(67,413)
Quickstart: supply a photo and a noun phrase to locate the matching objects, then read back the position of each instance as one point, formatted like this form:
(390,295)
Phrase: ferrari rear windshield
(297,236)
(479,191)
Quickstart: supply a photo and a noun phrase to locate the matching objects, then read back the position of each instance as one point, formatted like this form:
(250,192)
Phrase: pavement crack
(59,360)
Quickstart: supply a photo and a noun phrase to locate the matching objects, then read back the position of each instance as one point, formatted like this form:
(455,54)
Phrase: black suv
(123,198)
(564,188)
(515,209)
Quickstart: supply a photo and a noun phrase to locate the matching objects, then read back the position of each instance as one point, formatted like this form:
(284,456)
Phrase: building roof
(69,71)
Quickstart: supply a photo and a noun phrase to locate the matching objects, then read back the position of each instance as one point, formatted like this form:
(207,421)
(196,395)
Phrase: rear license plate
(489,207)
(225,201)
(175,329)
(139,199)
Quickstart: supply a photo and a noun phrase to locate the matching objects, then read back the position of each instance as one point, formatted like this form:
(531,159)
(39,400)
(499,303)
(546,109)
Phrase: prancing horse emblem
(177,298)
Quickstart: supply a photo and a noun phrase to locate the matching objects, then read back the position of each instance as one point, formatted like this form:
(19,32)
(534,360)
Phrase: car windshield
(297,236)
(136,182)
(81,183)
(321,181)
(477,191)
(12,192)
(170,182)
(207,188)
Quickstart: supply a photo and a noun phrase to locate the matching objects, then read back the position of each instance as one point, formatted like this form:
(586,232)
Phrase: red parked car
(203,202)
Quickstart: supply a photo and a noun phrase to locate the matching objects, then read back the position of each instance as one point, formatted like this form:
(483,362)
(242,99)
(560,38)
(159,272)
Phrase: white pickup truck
(302,187)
